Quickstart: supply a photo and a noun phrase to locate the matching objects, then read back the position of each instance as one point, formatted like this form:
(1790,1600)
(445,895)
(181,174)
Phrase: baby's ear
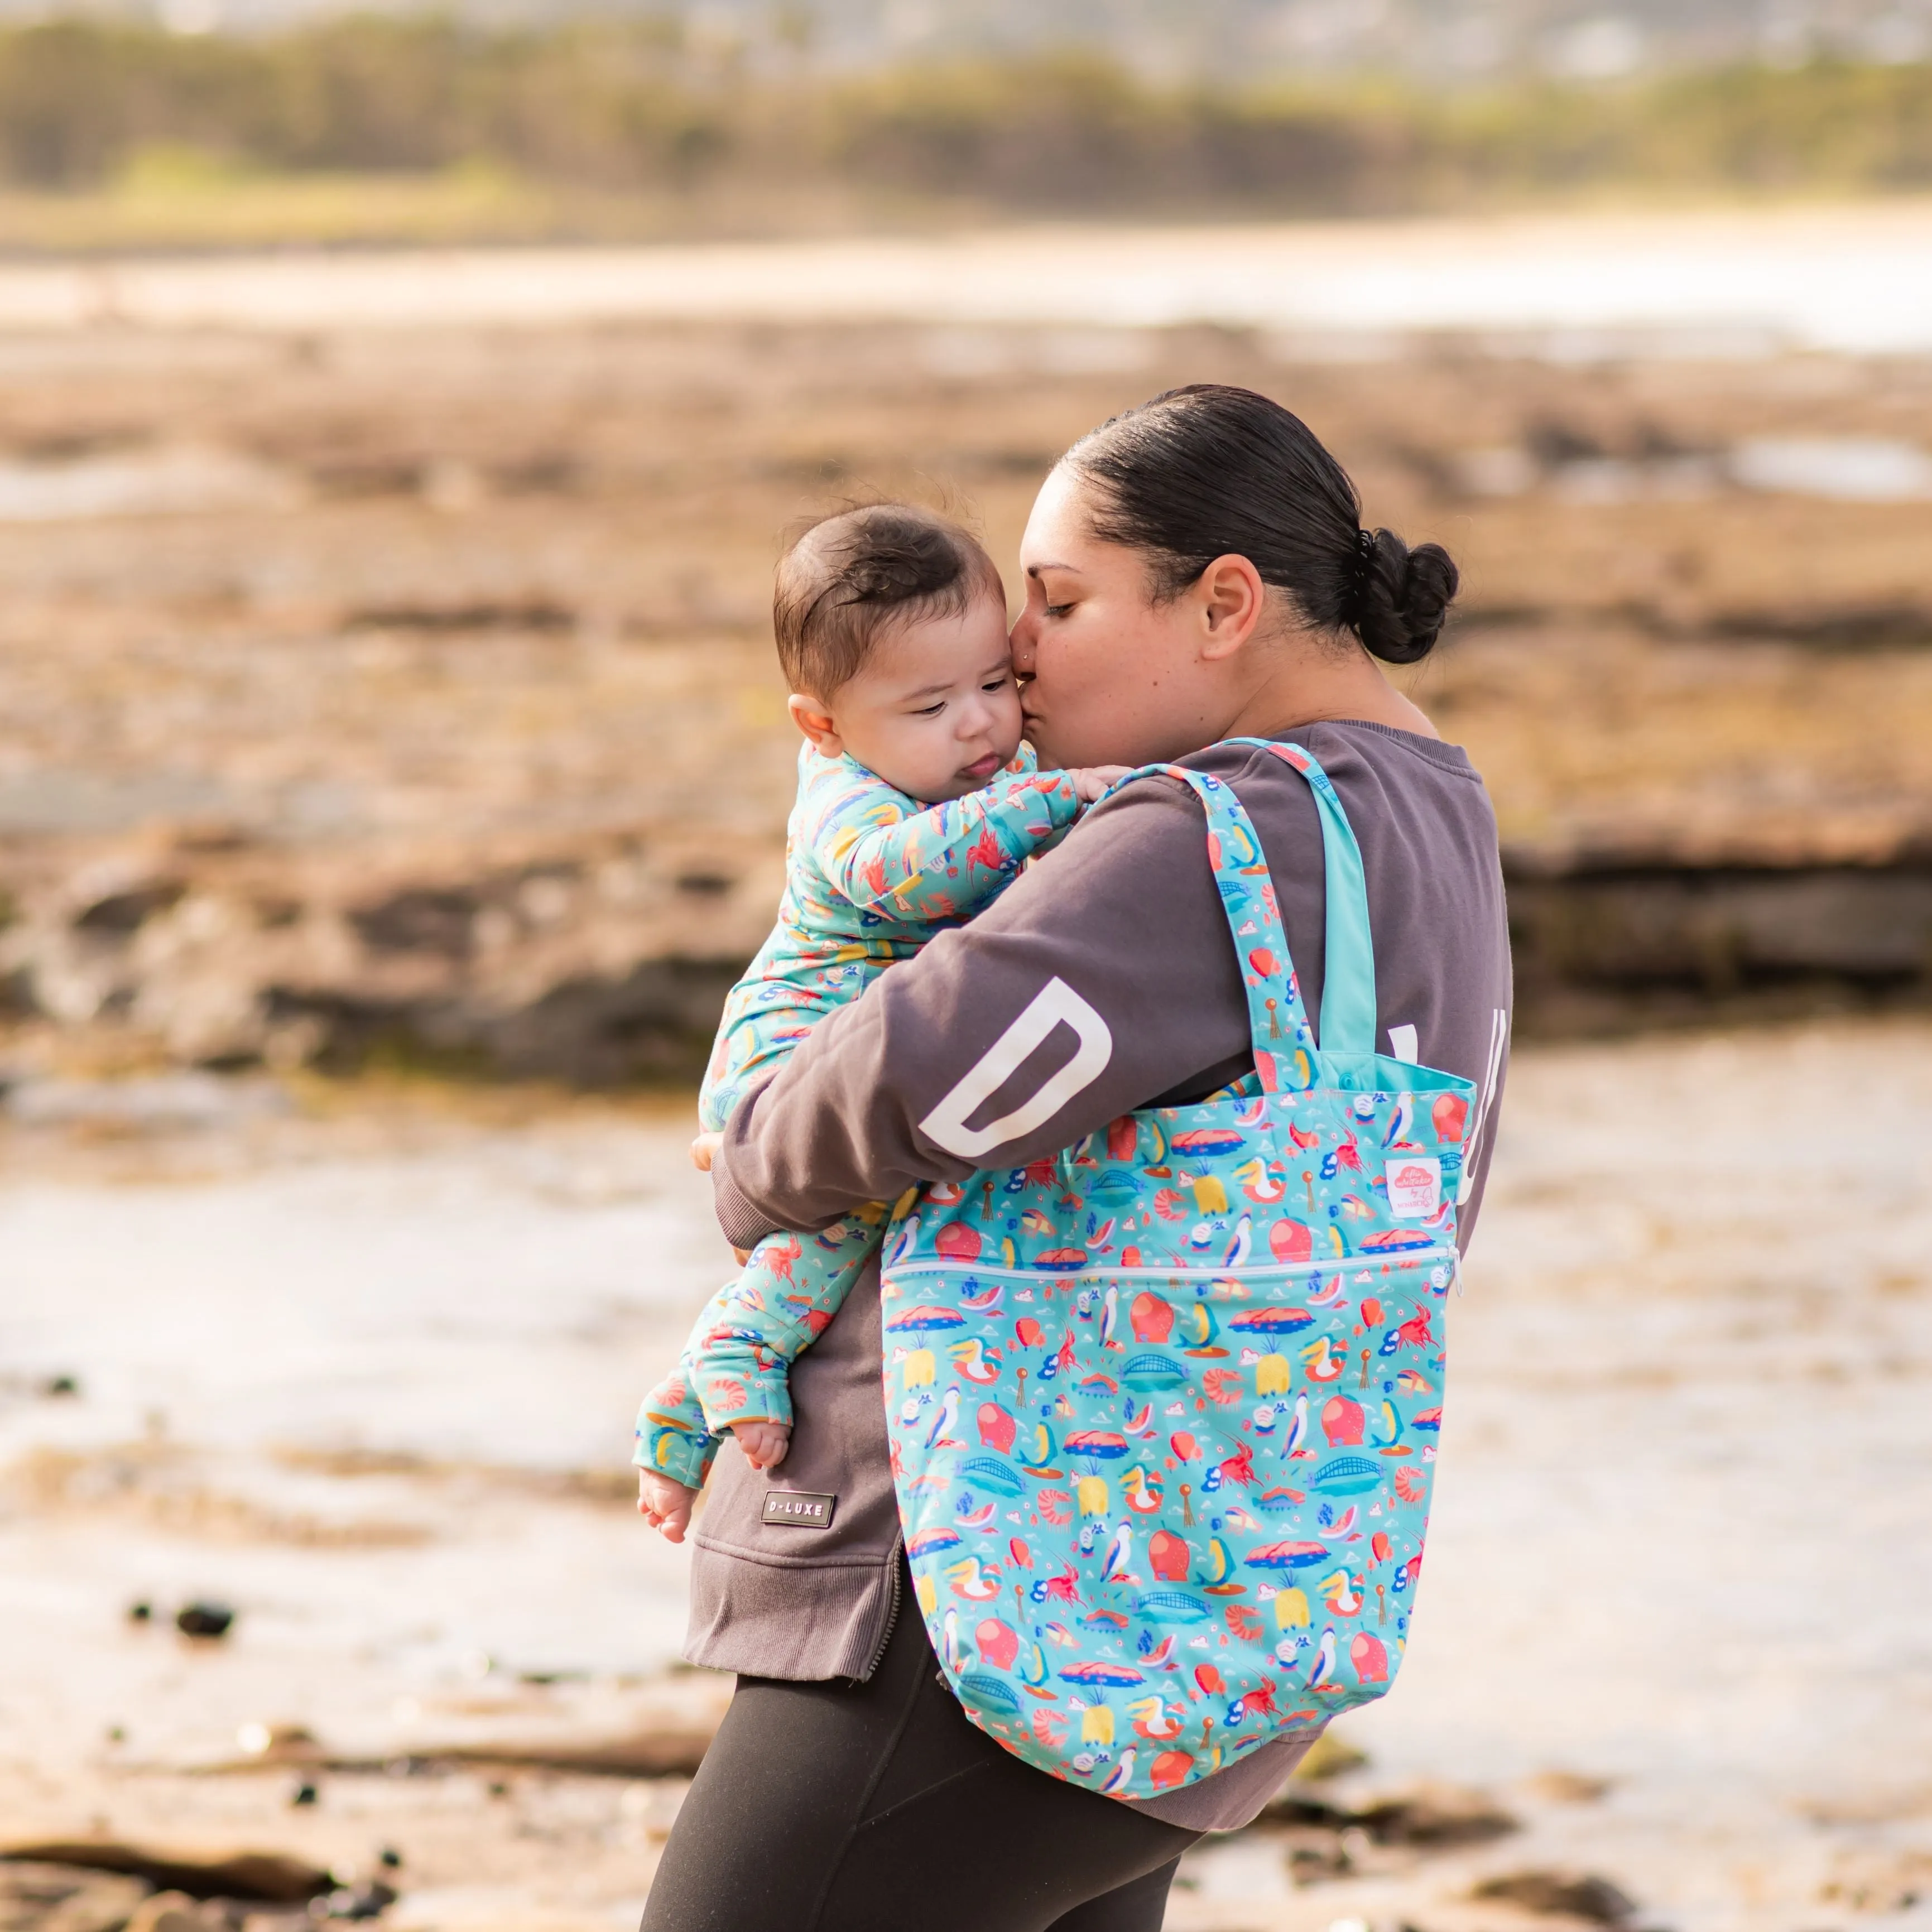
(816,722)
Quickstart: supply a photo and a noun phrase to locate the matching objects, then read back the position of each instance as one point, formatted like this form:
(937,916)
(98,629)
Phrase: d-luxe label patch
(1414,1186)
(797,1510)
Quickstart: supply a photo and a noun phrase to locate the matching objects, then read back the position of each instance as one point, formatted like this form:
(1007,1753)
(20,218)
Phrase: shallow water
(1856,280)
(1679,1542)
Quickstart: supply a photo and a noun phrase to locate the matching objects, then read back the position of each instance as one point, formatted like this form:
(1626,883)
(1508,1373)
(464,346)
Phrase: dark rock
(424,919)
(1560,1895)
(654,1022)
(1315,1857)
(209,1621)
(56,1387)
(658,1753)
(1293,1805)
(49,1896)
(121,915)
(269,1877)
(1892,624)
(304,1793)
(140,1612)
(1436,1817)
(534,614)
(1715,931)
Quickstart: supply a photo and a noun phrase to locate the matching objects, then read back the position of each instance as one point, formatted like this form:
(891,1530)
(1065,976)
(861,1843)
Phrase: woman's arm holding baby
(1061,1007)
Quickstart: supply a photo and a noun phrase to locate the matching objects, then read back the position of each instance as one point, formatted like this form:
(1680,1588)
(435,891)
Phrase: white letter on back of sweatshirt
(1057,1003)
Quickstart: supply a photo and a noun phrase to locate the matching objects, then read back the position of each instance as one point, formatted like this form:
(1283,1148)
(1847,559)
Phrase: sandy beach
(358,1362)
(373,622)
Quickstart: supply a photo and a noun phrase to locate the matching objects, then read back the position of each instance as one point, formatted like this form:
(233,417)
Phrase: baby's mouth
(981,769)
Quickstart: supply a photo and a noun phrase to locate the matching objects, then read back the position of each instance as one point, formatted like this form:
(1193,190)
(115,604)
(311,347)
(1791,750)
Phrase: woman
(1195,572)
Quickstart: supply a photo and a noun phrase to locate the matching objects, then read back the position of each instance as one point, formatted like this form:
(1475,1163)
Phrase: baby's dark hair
(846,580)
(1211,470)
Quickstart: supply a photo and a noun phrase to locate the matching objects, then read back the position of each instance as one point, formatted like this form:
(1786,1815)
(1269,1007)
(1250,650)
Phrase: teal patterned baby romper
(871,877)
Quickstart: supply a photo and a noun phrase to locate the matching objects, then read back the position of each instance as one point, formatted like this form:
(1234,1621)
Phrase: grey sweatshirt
(929,1078)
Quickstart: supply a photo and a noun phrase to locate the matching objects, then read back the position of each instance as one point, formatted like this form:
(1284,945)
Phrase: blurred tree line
(618,107)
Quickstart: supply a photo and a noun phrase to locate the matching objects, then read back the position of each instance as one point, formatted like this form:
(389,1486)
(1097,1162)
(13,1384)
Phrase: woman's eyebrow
(1034,569)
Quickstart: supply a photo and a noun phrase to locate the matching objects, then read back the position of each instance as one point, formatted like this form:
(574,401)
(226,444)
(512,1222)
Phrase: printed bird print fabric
(871,877)
(1164,1408)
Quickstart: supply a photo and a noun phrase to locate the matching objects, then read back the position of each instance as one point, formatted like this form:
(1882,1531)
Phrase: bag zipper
(1338,1264)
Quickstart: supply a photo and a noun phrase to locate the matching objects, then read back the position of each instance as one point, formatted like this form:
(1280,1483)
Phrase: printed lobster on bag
(1164,1410)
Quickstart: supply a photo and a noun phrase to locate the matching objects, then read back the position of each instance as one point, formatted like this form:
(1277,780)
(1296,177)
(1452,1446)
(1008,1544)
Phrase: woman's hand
(1090,781)
(703,1148)
(665,1505)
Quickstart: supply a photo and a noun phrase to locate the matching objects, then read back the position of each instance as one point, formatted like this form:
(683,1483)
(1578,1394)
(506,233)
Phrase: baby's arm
(757,1326)
(673,1439)
(951,857)
(732,1373)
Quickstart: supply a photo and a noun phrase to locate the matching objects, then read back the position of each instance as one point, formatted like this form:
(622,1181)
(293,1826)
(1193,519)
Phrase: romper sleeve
(950,858)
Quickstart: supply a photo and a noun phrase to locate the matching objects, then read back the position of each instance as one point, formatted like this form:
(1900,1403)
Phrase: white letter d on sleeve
(1056,1003)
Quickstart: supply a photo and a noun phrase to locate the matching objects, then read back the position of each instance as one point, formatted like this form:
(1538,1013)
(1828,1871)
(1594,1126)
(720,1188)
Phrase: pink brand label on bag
(1414,1186)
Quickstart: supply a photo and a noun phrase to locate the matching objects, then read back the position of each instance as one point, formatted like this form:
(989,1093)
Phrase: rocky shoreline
(406,698)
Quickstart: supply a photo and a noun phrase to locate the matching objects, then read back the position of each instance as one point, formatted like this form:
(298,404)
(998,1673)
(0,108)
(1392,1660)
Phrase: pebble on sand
(1560,1895)
(207,1621)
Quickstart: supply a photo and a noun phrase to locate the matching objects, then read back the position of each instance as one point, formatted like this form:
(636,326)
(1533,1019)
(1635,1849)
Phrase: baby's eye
(930,710)
(998,683)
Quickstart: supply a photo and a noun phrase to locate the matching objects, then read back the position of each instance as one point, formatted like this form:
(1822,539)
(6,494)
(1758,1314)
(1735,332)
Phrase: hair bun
(1404,596)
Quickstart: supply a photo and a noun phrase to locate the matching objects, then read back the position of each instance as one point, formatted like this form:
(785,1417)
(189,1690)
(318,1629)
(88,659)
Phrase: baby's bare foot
(764,1443)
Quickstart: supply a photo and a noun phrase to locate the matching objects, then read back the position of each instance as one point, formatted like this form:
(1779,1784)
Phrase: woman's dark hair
(1210,471)
(846,580)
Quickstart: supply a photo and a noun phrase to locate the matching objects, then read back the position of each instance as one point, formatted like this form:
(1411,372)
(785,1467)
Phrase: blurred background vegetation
(411,128)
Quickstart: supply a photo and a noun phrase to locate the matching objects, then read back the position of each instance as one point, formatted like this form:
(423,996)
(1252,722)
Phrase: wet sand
(362,1363)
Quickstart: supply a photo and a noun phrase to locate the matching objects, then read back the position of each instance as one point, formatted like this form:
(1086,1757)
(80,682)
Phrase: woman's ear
(817,724)
(1232,598)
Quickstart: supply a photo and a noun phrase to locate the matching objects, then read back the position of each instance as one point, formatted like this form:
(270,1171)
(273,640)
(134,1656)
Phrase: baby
(917,805)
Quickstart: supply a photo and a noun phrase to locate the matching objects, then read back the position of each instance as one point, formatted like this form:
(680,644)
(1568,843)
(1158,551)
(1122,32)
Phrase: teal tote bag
(1164,1408)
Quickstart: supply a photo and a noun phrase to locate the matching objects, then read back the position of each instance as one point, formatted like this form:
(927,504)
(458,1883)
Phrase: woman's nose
(1021,638)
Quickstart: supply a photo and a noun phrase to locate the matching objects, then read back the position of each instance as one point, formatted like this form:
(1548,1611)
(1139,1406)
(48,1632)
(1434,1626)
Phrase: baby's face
(935,712)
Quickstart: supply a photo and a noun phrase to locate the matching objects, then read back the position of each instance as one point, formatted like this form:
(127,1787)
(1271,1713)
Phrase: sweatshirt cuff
(741,1225)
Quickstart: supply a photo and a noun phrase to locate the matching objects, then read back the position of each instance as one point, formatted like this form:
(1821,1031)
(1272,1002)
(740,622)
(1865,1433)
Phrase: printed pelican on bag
(1261,1183)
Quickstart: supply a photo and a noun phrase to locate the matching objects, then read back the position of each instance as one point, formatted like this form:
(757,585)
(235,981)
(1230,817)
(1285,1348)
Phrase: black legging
(876,1808)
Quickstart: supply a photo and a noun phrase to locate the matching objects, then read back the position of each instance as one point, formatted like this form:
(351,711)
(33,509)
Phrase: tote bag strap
(1347,1024)
(1285,1044)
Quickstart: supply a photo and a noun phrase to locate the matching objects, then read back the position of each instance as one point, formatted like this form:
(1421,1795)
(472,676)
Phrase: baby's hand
(764,1443)
(1090,781)
(665,1505)
(703,1148)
